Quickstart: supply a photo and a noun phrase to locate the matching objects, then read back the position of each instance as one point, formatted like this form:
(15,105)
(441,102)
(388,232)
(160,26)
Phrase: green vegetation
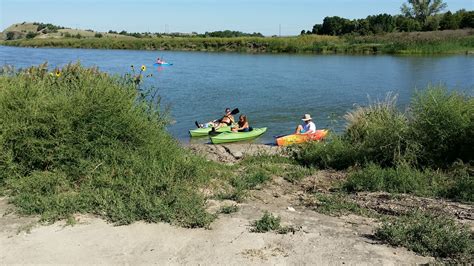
(459,41)
(429,235)
(338,204)
(267,223)
(416,16)
(425,151)
(78,140)
(227,209)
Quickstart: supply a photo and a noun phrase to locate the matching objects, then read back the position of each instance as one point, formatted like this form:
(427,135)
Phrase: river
(273,90)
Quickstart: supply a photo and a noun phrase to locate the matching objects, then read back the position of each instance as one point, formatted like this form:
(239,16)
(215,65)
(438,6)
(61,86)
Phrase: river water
(274,91)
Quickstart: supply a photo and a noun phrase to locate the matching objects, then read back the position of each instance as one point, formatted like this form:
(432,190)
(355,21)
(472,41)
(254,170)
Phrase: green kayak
(200,132)
(237,136)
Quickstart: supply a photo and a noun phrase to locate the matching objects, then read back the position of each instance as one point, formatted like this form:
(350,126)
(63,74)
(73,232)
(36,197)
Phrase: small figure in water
(308,127)
(159,61)
(242,125)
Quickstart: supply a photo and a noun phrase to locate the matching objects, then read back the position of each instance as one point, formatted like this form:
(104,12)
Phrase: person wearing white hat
(308,127)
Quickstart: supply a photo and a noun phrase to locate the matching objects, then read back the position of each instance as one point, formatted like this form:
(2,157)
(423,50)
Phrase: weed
(268,222)
(428,235)
(338,204)
(227,209)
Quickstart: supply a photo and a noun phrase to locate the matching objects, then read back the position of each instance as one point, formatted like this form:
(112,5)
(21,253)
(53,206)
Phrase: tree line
(417,15)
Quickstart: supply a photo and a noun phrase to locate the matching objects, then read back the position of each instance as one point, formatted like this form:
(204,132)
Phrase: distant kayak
(301,138)
(163,64)
(227,137)
(200,132)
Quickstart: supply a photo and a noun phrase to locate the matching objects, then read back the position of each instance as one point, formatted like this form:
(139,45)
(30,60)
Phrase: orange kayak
(300,138)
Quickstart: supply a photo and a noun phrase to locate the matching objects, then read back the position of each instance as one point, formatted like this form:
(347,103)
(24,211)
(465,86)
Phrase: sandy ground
(320,239)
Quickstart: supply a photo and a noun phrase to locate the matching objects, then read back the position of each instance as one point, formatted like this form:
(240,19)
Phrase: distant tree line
(417,15)
(230,34)
(384,23)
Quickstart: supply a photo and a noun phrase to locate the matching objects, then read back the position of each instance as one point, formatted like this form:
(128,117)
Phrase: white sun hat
(306,117)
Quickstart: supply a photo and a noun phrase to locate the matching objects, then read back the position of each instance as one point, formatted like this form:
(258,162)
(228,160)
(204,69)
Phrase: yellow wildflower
(57,73)
(143,68)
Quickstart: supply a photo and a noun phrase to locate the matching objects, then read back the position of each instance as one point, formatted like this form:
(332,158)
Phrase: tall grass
(79,140)
(442,124)
(402,152)
(459,41)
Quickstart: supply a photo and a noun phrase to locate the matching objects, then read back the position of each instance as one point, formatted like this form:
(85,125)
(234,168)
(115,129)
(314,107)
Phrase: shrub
(335,153)
(462,184)
(78,140)
(400,179)
(10,35)
(378,132)
(31,35)
(268,222)
(98,35)
(428,235)
(442,123)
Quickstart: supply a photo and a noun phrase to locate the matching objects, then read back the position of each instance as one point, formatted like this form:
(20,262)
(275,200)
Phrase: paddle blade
(235,111)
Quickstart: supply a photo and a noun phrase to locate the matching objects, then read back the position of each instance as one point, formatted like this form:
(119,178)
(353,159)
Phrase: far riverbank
(439,42)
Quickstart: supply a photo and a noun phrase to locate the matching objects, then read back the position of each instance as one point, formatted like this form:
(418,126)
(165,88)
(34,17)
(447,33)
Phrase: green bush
(399,179)
(428,235)
(462,184)
(442,123)
(268,222)
(335,153)
(378,131)
(78,140)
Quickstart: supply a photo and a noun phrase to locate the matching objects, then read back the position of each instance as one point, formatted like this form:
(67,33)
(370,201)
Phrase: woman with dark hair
(242,125)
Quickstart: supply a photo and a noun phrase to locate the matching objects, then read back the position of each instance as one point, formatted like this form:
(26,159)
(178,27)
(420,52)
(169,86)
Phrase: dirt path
(320,239)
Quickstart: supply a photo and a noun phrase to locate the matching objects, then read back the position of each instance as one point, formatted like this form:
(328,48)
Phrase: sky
(265,16)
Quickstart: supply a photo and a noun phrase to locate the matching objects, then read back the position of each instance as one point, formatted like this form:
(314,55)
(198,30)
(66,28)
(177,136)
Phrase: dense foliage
(77,140)
(458,41)
(385,23)
(402,151)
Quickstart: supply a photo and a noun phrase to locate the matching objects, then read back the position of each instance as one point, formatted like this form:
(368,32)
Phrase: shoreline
(415,43)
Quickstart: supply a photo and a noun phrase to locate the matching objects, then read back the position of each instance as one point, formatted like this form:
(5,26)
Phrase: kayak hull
(238,136)
(201,132)
(163,64)
(301,138)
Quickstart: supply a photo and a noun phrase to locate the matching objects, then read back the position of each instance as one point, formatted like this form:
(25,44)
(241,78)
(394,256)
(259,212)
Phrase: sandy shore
(320,239)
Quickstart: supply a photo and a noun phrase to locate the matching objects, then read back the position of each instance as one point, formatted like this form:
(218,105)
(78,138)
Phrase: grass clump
(79,140)
(267,223)
(399,179)
(442,124)
(338,204)
(335,153)
(428,234)
(228,209)
(378,132)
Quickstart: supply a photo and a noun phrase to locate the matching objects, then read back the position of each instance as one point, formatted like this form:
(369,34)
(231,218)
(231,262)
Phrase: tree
(422,9)
(10,35)
(31,35)
(467,20)
(449,21)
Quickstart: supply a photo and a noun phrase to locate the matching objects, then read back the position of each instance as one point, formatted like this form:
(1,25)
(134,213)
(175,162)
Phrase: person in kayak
(226,120)
(160,61)
(308,127)
(242,125)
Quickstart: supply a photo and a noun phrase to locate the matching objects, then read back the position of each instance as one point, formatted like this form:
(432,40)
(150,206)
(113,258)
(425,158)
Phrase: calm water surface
(273,90)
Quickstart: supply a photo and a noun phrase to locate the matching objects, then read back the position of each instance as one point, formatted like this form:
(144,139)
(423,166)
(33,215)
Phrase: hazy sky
(263,16)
